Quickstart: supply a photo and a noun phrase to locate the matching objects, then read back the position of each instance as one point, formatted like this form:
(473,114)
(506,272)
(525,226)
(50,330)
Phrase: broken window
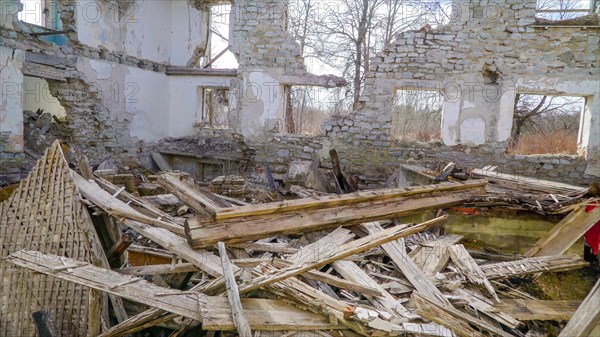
(44,13)
(544,124)
(213,107)
(218,54)
(564,9)
(417,115)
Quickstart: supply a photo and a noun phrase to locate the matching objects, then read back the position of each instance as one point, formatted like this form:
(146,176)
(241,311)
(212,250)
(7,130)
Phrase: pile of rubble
(334,265)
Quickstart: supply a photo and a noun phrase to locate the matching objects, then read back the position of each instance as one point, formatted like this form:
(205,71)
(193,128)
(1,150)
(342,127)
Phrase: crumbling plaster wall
(489,52)
(11,109)
(116,93)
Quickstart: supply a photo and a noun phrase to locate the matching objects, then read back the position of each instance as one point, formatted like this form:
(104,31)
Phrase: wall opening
(213,107)
(417,115)
(544,124)
(564,9)
(44,117)
(218,54)
(306,108)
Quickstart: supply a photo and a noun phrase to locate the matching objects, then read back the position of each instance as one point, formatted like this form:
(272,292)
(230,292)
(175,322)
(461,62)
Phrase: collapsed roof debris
(335,273)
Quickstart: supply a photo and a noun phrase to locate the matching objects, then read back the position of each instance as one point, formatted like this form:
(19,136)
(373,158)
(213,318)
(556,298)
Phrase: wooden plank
(160,161)
(562,236)
(397,252)
(189,195)
(190,304)
(430,310)
(158,269)
(531,184)
(45,323)
(384,302)
(344,199)
(467,265)
(432,256)
(203,259)
(240,321)
(587,316)
(126,286)
(332,280)
(434,311)
(236,230)
(538,310)
(115,207)
(324,254)
(483,305)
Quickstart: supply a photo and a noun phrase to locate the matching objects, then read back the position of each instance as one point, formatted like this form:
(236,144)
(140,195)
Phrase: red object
(592,236)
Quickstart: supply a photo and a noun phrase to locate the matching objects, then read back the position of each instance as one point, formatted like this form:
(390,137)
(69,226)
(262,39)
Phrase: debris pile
(335,265)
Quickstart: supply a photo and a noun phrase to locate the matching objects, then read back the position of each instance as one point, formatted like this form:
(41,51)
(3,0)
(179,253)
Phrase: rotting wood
(538,310)
(342,184)
(564,234)
(120,247)
(189,195)
(528,184)
(274,247)
(397,252)
(158,269)
(327,255)
(434,311)
(586,317)
(344,199)
(486,307)
(467,265)
(236,230)
(240,321)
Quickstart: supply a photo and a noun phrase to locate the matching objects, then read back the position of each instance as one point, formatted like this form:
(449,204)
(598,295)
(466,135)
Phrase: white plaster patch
(103,69)
(472,131)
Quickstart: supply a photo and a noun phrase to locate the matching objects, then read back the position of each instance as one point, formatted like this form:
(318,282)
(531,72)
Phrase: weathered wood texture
(45,213)
(587,316)
(240,321)
(433,256)
(527,184)
(188,194)
(213,311)
(562,236)
(256,227)
(326,254)
(467,265)
(538,310)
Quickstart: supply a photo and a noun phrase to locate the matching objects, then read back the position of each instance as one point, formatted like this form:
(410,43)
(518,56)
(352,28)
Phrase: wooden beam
(44,323)
(160,161)
(432,256)
(238,230)
(562,236)
(587,316)
(344,199)
(240,321)
(189,195)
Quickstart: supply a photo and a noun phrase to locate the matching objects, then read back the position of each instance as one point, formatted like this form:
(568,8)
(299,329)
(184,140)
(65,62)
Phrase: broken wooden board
(238,230)
(467,265)
(587,317)
(452,318)
(538,310)
(326,254)
(562,236)
(344,199)
(432,256)
(188,304)
(161,162)
(397,252)
(240,321)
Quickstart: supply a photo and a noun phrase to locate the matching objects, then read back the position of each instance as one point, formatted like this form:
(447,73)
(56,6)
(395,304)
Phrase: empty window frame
(213,107)
(544,124)
(565,9)
(218,53)
(417,115)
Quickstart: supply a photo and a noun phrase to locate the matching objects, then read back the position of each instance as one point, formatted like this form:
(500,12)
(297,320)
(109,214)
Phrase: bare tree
(563,9)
